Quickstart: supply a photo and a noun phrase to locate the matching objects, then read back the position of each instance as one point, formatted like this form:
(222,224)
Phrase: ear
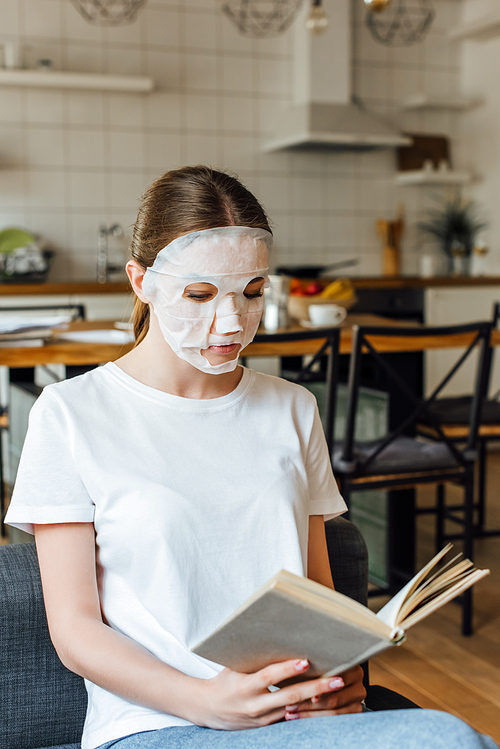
(136,272)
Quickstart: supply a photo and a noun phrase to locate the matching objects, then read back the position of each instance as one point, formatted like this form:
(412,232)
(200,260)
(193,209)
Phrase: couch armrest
(42,703)
(348,559)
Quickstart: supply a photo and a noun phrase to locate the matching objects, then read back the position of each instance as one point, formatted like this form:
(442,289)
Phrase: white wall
(70,161)
(480,129)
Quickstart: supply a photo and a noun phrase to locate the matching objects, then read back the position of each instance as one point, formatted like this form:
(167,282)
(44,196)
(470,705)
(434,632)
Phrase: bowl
(298,306)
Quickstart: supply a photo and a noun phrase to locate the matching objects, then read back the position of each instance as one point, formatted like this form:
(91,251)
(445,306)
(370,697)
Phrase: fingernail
(315,698)
(301,665)
(336,683)
(291,716)
(291,708)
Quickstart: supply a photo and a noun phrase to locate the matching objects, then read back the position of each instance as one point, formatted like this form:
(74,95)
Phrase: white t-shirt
(196,503)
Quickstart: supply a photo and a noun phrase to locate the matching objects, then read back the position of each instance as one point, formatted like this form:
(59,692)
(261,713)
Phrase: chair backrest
(322,342)
(495,319)
(374,340)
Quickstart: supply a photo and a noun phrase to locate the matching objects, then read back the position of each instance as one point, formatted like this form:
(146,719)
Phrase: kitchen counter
(417,282)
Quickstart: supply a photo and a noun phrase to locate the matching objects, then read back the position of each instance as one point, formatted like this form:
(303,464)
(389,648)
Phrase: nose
(227,317)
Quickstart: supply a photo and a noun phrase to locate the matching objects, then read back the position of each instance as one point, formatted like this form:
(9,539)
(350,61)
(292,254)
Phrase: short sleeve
(48,487)
(324,496)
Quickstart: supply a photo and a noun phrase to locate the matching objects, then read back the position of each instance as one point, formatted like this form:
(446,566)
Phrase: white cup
(326,314)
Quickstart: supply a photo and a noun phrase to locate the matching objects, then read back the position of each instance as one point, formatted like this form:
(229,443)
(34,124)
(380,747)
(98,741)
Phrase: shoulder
(72,392)
(281,390)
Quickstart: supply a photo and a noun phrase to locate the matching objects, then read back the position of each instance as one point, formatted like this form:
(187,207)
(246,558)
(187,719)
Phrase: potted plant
(455,225)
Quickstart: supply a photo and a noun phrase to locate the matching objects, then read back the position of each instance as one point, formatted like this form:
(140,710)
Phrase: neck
(153,363)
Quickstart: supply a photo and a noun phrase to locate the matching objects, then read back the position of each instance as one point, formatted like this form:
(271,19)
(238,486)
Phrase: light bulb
(317,20)
(377,5)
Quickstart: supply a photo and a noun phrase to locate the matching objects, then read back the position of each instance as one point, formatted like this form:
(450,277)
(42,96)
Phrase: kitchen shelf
(433,177)
(481,29)
(422,101)
(83,81)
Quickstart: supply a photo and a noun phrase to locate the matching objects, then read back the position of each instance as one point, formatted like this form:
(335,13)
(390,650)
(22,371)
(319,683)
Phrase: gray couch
(42,704)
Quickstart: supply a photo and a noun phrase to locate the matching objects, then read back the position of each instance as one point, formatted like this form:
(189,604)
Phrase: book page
(436,584)
(390,613)
(447,595)
(427,592)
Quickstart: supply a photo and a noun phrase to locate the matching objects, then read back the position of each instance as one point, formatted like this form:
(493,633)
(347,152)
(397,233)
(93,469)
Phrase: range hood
(323,113)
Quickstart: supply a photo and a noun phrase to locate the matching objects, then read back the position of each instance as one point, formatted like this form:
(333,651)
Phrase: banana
(341,288)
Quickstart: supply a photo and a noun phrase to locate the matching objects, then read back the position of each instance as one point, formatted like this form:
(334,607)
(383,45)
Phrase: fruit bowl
(298,306)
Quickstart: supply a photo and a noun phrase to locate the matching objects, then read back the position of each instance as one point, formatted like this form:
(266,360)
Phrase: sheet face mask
(229,258)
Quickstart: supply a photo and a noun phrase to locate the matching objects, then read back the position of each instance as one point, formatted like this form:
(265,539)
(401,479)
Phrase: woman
(165,488)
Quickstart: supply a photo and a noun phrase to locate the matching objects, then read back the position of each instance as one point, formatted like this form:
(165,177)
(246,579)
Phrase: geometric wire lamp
(109,12)
(400,22)
(261,18)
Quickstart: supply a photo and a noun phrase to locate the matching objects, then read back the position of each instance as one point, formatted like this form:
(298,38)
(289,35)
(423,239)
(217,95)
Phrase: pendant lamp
(109,12)
(261,18)
(399,22)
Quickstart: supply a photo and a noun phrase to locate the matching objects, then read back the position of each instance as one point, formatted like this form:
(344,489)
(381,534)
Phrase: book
(25,338)
(28,321)
(21,342)
(294,617)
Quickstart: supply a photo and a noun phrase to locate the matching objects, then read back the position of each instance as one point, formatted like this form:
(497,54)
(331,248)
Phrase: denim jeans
(385,729)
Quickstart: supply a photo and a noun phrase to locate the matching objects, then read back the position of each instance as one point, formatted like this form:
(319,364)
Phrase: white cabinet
(451,306)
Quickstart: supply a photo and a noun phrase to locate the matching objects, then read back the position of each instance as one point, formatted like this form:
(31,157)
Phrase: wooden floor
(437,667)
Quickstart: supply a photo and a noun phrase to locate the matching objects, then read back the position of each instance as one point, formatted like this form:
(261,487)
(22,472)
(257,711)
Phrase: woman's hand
(235,701)
(345,697)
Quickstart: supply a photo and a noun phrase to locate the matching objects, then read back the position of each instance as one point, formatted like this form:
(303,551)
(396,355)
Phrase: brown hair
(183,200)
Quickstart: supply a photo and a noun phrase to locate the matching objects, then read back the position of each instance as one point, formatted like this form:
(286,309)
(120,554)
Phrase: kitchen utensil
(313,271)
(276,303)
(12,238)
(391,232)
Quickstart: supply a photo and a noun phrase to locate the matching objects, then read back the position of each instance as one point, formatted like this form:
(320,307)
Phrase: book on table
(27,331)
(25,338)
(294,617)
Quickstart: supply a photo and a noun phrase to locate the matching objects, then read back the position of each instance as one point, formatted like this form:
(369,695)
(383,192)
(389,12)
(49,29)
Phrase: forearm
(118,664)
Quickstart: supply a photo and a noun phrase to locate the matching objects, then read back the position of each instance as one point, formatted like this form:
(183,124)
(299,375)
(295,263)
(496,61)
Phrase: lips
(228,348)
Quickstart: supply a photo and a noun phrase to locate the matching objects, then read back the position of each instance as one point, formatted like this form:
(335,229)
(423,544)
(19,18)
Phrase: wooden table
(75,353)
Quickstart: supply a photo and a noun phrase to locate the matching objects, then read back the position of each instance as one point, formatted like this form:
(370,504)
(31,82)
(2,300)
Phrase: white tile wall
(479,132)
(71,160)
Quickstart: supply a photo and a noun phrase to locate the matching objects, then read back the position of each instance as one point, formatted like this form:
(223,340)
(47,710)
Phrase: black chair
(454,414)
(324,342)
(402,460)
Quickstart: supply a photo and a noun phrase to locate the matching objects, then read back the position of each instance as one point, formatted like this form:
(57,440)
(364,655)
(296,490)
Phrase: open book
(293,617)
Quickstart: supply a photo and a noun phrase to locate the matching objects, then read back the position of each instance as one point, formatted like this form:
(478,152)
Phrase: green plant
(455,222)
